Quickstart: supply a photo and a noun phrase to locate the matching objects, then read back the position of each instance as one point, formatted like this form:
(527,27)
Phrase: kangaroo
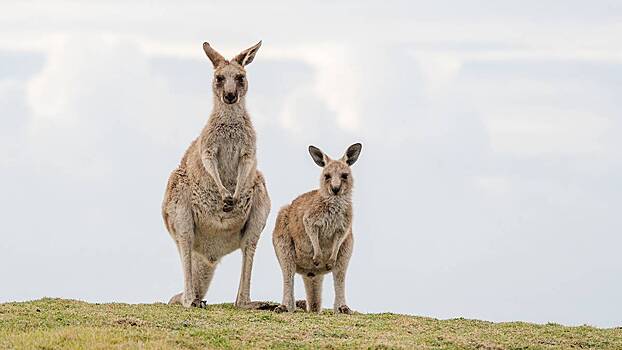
(313,234)
(216,201)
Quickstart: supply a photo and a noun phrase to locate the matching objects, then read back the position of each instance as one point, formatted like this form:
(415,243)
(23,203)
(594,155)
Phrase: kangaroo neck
(229,113)
(339,201)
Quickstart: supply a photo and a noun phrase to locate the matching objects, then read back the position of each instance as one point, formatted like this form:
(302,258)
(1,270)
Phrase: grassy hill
(69,324)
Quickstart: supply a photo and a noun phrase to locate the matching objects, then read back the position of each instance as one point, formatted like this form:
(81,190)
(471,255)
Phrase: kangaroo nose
(335,190)
(230,97)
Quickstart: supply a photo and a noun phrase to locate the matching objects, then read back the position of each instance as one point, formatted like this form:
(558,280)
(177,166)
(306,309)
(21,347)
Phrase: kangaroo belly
(212,217)
(207,208)
(216,243)
(304,253)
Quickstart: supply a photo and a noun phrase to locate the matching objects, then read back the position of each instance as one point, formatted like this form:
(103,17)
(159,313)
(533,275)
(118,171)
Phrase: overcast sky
(489,185)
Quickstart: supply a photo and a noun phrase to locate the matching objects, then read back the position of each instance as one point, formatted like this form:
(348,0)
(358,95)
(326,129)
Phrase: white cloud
(438,68)
(14,118)
(90,89)
(547,131)
(528,116)
(336,82)
(495,185)
(50,92)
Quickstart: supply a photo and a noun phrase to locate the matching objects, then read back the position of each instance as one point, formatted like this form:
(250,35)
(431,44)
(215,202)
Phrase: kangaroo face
(229,83)
(336,177)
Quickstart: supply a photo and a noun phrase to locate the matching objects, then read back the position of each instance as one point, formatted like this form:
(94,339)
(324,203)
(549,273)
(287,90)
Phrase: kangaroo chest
(331,222)
(232,138)
(331,226)
(229,139)
(228,160)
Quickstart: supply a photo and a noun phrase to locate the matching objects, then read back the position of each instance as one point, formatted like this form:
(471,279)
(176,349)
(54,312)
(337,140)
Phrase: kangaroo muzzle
(335,190)
(230,97)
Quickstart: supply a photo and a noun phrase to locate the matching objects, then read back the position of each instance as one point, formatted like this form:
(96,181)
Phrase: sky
(489,185)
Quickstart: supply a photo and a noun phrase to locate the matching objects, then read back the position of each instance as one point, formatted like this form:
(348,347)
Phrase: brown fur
(216,201)
(313,234)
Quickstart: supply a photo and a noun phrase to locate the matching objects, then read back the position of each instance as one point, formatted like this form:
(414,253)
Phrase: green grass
(69,324)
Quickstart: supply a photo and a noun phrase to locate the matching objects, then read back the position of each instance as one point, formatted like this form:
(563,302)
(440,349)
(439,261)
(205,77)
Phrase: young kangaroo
(313,234)
(216,200)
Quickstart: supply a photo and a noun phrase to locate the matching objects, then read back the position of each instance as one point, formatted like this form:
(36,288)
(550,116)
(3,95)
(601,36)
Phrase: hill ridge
(52,323)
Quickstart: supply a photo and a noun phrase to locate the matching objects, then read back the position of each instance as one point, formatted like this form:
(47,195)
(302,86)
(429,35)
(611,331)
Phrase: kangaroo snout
(335,189)
(230,97)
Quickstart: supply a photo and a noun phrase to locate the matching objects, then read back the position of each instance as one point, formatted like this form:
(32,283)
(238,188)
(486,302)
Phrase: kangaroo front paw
(316,260)
(228,200)
(344,309)
(229,203)
(330,263)
(281,308)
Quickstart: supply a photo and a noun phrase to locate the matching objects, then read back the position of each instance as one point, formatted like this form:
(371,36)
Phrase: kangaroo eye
(344,176)
(220,78)
(327,177)
(240,78)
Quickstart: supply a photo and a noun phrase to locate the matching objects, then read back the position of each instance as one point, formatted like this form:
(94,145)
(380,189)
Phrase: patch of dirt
(487,346)
(130,321)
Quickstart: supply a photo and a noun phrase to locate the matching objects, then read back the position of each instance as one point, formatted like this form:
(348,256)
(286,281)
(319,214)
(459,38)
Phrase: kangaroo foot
(259,305)
(344,309)
(301,304)
(201,304)
(281,308)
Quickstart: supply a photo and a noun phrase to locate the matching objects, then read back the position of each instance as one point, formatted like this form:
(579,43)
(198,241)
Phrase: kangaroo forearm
(211,166)
(335,249)
(315,243)
(336,245)
(244,171)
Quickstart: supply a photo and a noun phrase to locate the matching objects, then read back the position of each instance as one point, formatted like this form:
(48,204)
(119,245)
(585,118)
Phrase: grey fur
(313,234)
(216,200)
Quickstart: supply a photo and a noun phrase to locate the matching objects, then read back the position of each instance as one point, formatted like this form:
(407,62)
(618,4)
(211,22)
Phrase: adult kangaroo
(216,200)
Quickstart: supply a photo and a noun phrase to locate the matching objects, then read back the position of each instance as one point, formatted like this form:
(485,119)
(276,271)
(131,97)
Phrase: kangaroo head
(230,84)
(336,179)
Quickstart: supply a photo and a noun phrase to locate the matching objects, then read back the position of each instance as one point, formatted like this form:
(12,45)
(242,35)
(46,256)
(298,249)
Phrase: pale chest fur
(332,219)
(329,217)
(231,139)
(228,137)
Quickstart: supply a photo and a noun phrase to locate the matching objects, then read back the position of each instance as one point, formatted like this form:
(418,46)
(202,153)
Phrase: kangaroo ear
(245,57)
(352,153)
(317,155)
(213,55)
